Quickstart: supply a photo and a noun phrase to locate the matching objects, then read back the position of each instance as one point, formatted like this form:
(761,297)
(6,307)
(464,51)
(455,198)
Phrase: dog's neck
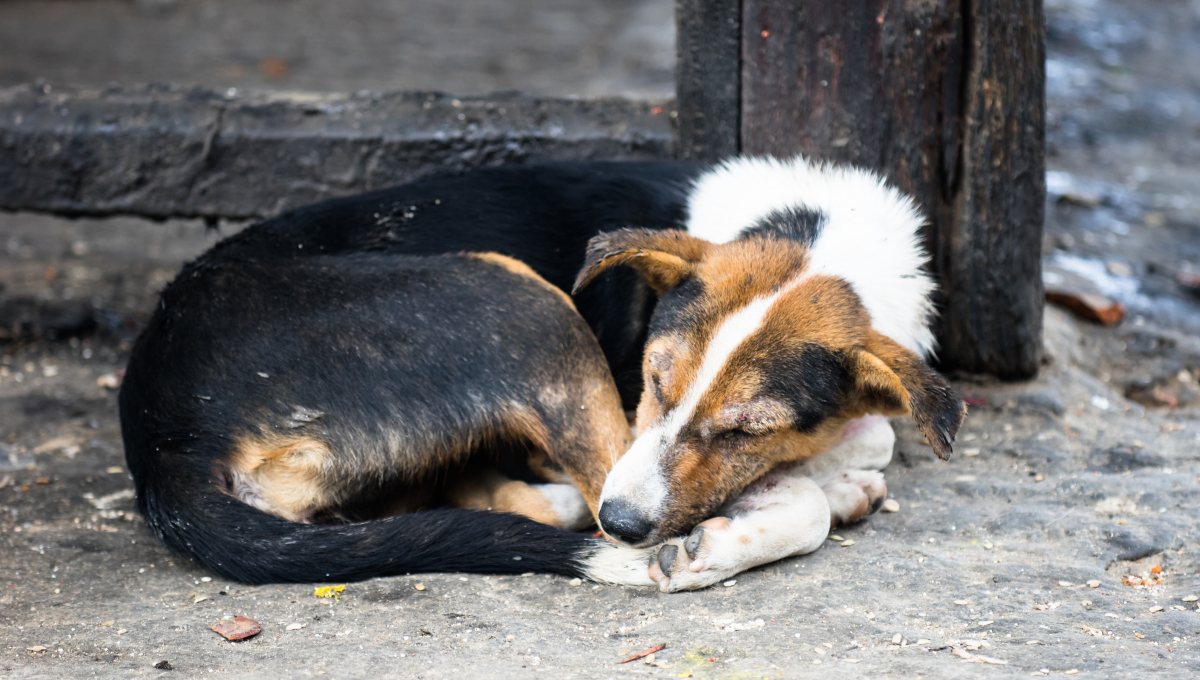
(856,226)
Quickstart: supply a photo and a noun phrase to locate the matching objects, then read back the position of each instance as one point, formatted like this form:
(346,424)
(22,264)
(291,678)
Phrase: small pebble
(295,626)
(986,623)
(896,639)
(847,543)
(575,582)
(121,631)
(1112,615)
(1139,636)
(988,546)
(1073,671)
(835,537)
(1155,609)
(891,505)
(114,470)
(1066,584)
(419,586)
(1093,584)
(1189,598)
(729,584)
(1034,642)
(962,602)
(1038,478)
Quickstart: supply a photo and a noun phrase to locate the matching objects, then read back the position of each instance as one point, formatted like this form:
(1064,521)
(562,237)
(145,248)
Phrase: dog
(345,390)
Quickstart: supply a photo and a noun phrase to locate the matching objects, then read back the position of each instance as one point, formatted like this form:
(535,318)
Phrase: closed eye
(735,434)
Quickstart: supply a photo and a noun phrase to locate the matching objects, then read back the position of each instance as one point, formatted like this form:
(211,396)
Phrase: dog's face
(752,361)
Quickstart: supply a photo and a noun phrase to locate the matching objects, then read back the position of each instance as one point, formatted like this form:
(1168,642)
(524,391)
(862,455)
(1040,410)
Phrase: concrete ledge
(160,151)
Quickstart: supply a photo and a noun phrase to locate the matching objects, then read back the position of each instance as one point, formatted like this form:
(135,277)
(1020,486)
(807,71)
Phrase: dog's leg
(780,515)
(560,505)
(848,473)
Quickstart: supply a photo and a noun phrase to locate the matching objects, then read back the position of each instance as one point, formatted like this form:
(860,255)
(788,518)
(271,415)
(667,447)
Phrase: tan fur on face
(810,315)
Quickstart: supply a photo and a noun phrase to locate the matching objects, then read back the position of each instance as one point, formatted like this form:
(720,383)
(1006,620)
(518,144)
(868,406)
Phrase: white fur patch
(568,504)
(871,237)
(618,565)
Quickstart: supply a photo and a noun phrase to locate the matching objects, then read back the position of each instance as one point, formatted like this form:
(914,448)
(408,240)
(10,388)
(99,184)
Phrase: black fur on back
(794,224)
(323,309)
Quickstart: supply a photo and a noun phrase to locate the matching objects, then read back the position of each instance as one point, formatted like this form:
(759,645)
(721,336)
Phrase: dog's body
(339,363)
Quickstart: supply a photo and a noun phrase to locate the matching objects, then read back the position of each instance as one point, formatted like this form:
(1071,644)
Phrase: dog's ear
(666,258)
(891,379)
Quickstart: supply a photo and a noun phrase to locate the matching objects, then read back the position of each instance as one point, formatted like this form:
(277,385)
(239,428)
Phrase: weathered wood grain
(707,77)
(945,98)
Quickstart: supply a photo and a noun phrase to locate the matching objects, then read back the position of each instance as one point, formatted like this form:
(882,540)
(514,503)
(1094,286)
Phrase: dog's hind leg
(560,505)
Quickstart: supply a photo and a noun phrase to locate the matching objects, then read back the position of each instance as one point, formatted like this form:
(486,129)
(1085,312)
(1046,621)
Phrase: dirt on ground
(1062,538)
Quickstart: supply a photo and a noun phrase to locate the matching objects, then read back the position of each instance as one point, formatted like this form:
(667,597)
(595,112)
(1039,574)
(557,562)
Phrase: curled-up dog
(397,382)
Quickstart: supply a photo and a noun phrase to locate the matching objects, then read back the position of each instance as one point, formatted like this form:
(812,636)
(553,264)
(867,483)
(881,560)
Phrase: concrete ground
(1012,559)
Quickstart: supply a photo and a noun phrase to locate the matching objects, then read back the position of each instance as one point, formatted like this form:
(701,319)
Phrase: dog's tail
(240,542)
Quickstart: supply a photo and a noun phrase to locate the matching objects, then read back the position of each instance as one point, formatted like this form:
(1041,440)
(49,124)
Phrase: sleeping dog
(346,390)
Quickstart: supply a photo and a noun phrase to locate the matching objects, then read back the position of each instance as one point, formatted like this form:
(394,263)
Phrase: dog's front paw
(698,560)
(856,494)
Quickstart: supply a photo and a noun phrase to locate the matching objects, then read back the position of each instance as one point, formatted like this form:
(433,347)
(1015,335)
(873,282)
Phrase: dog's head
(753,359)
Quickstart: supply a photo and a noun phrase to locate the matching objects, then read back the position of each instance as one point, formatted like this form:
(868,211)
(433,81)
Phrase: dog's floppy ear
(666,258)
(891,379)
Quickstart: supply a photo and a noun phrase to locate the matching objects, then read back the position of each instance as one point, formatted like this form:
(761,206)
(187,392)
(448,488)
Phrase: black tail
(242,543)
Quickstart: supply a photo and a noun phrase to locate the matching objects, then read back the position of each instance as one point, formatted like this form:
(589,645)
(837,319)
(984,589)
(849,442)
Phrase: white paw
(854,495)
(708,555)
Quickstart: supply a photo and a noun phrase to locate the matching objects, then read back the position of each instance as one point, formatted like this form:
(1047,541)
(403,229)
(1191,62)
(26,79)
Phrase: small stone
(108,381)
(237,628)
(1039,478)
(1189,598)
(419,586)
(896,639)
(1073,671)
(1112,615)
(988,546)
(1139,636)
(1066,584)
(730,584)
(576,582)
(1155,609)
(1093,584)
(847,543)
(986,623)
(121,631)
(35,648)
(114,470)
(108,623)
(962,602)
(835,537)
(891,505)
(1033,642)
(295,626)
(164,665)
(971,452)
(206,579)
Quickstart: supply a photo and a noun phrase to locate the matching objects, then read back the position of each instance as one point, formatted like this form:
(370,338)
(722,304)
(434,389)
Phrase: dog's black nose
(621,520)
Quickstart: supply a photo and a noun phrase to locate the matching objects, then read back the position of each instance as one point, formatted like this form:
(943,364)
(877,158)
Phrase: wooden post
(945,97)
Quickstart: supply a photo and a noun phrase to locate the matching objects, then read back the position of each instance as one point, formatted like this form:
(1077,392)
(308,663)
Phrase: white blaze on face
(638,477)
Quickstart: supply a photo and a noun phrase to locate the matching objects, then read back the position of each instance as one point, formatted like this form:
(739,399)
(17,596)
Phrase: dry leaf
(237,628)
